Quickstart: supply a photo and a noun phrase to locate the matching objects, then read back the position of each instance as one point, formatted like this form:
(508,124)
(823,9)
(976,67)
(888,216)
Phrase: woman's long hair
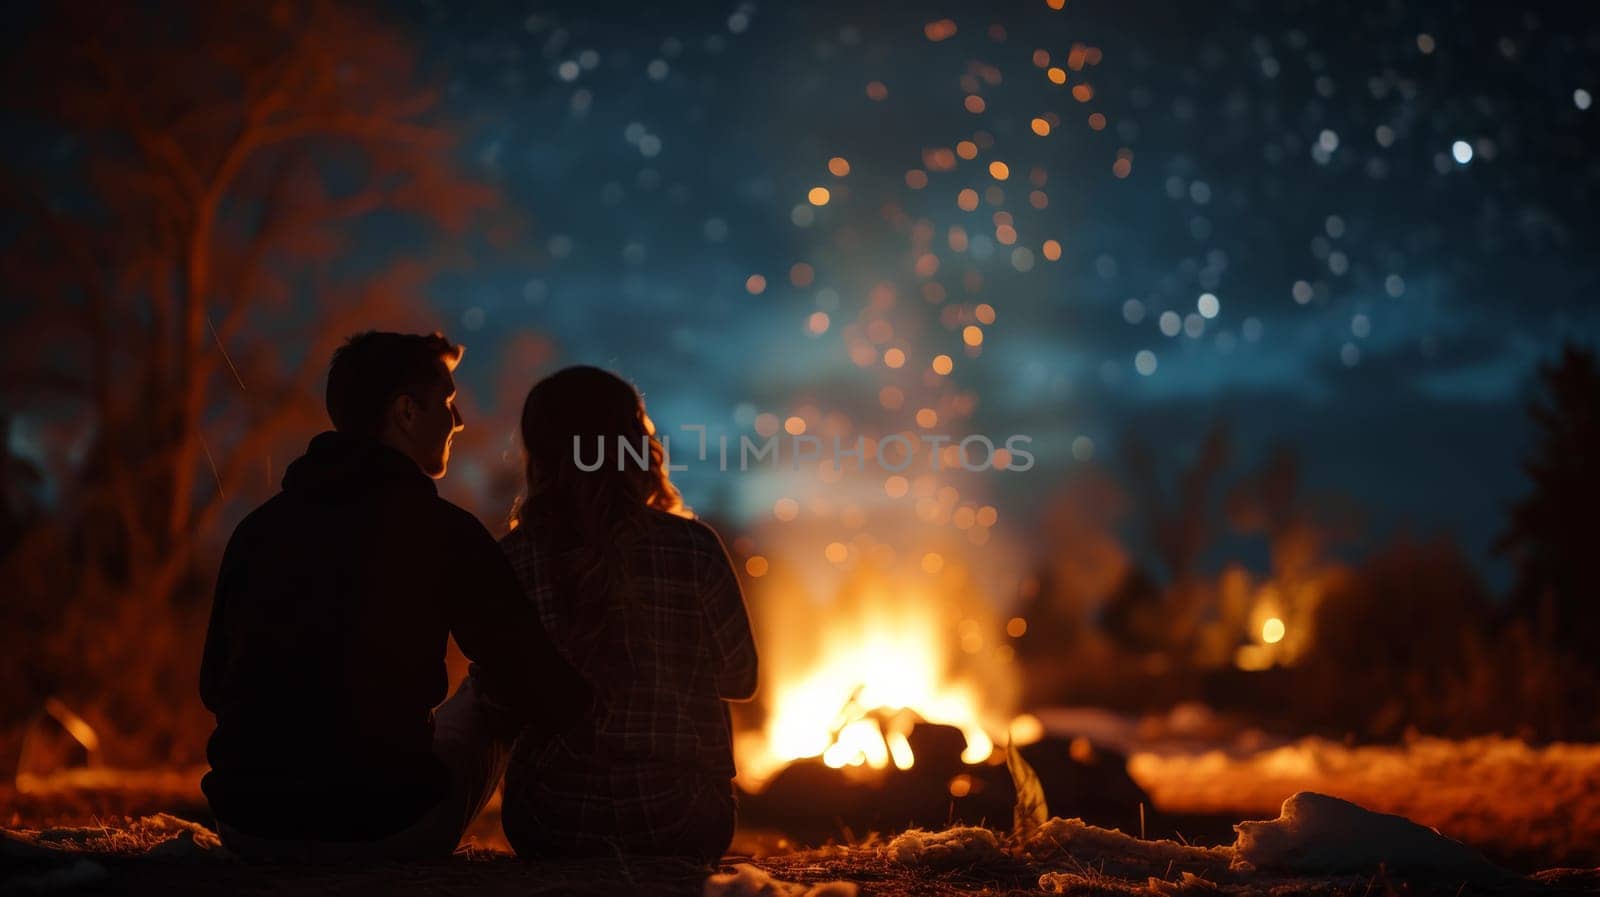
(591,515)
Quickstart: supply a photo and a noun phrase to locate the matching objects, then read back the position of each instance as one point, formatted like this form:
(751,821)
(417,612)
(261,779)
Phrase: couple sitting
(605,633)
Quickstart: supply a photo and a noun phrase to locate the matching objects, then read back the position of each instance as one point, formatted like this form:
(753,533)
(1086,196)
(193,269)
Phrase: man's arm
(728,622)
(515,666)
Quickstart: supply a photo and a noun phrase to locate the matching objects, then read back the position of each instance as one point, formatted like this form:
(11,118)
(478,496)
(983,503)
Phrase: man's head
(396,388)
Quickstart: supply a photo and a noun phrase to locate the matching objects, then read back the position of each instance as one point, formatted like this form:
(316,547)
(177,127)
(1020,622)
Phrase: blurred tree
(1177,516)
(1550,534)
(237,188)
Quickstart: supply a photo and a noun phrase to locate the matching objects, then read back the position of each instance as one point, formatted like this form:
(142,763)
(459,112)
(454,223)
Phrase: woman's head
(568,420)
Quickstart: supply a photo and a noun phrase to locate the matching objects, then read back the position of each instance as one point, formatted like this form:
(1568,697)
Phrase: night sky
(1351,229)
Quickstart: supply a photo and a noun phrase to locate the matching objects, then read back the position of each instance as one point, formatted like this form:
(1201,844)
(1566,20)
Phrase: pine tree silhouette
(1550,534)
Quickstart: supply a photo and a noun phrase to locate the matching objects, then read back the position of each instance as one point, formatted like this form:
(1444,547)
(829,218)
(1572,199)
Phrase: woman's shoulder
(690,532)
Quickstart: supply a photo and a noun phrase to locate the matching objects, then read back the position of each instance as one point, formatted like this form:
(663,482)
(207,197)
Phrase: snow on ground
(1504,795)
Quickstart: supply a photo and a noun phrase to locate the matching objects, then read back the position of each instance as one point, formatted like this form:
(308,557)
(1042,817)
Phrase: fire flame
(875,673)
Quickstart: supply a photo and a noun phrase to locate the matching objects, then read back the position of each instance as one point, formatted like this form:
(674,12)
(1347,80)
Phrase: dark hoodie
(325,653)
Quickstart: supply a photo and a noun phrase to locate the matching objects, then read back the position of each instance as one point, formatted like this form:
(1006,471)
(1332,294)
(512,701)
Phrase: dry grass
(170,856)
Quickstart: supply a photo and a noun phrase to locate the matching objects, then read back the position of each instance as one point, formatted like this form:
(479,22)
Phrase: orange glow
(1055,4)
(984,313)
(801,274)
(927,265)
(756,566)
(838,166)
(927,418)
(974,103)
(894,358)
(916,179)
(966,149)
(940,30)
(896,486)
(877,91)
(999,170)
(1122,167)
(794,425)
(891,398)
(1005,234)
(1016,627)
(818,322)
(967,199)
(932,562)
(1056,74)
(818,196)
(942,365)
(755,284)
(1083,93)
(957,239)
(1097,122)
(972,335)
(786,509)
(1041,127)
(837,552)
(1041,58)
(1052,250)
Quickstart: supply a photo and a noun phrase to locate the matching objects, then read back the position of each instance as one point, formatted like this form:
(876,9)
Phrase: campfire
(846,680)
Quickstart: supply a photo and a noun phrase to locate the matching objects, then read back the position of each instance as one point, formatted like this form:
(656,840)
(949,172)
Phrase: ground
(1529,809)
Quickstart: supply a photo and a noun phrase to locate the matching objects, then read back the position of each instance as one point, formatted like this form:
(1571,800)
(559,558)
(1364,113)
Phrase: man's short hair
(372,368)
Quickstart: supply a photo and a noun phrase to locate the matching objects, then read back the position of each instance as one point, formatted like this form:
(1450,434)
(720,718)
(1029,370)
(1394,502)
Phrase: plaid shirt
(670,654)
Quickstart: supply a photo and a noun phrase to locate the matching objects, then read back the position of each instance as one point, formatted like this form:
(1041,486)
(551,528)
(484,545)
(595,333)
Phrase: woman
(643,601)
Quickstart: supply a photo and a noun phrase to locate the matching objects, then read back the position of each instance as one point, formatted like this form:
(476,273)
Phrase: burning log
(811,801)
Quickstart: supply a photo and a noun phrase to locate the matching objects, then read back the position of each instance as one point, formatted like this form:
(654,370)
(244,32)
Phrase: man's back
(326,648)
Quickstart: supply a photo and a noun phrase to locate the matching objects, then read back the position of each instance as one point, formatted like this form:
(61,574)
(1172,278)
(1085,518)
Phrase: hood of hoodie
(337,466)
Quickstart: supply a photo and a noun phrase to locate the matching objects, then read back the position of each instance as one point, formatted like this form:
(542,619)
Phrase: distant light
(818,323)
(1301,292)
(794,425)
(894,358)
(1394,285)
(1170,323)
(1272,631)
(756,566)
(1425,43)
(755,284)
(1361,326)
(838,166)
(1052,250)
(999,170)
(972,335)
(818,196)
(1384,135)
(1581,98)
(1251,329)
(786,509)
(1145,362)
(1056,74)
(1462,151)
(1083,448)
(837,552)
(1350,354)
(1334,225)
(1328,140)
(1041,127)
(1016,627)
(1208,305)
(657,69)
(568,71)
(1194,326)
(877,91)
(984,312)
(966,149)
(1133,311)
(927,418)
(942,365)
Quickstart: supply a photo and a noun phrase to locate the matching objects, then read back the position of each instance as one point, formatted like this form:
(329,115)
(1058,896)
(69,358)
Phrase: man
(325,652)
